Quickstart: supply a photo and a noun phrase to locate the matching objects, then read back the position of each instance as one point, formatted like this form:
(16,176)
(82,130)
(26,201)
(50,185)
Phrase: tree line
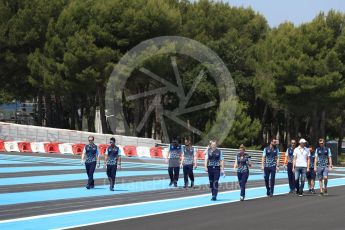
(290,80)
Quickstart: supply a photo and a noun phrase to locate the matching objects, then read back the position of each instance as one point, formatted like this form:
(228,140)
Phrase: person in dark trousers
(174,161)
(90,158)
(112,161)
(270,165)
(242,164)
(189,162)
(214,165)
(289,162)
(301,165)
(323,164)
(311,175)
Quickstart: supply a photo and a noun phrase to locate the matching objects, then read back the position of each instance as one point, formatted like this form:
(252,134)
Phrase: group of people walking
(91,157)
(301,163)
(185,157)
(181,157)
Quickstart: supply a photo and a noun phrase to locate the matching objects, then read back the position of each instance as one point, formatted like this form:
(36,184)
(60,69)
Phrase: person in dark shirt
(214,166)
(322,164)
(270,165)
(189,162)
(311,174)
(174,161)
(89,157)
(289,163)
(112,161)
(242,164)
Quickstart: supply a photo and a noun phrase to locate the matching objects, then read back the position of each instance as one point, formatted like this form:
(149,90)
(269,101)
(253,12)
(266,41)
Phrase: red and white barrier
(70,148)
(38,147)
(156,152)
(24,147)
(102,148)
(78,149)
(200,154)
(51,147)
(66,148)
(130,151)
(11,146)
(143,152)
(2,146)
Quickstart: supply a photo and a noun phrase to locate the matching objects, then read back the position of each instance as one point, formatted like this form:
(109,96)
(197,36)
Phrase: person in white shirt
(301,165)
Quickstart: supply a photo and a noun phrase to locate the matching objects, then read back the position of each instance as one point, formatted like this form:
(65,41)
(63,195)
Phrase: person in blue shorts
(242,164)
(323,163)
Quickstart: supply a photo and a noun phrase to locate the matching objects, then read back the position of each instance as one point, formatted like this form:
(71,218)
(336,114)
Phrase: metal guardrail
(14,132)
(230,154)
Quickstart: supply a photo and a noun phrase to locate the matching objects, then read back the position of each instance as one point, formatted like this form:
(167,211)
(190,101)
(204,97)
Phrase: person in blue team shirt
(90,157)
(174,161)
(214,165)
(242,164)
(189,162)
(288,161)
(311,175)
(112,161)
(322,164)
(270,165)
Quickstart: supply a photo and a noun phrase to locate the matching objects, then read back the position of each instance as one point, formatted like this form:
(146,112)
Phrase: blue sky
(296,11)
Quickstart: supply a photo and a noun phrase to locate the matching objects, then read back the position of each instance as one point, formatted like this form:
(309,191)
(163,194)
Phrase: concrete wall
(15,132)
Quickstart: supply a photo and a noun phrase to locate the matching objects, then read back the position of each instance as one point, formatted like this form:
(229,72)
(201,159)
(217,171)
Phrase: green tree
(22,29)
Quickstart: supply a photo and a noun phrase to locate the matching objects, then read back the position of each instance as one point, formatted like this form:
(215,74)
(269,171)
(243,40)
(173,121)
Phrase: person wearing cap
(189,162)
(91,153)
(311,175)
(112,161)
(301,165)
(242,164)
(289,162)
(323,163)
(174,161)
(214,166)
(270,165)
